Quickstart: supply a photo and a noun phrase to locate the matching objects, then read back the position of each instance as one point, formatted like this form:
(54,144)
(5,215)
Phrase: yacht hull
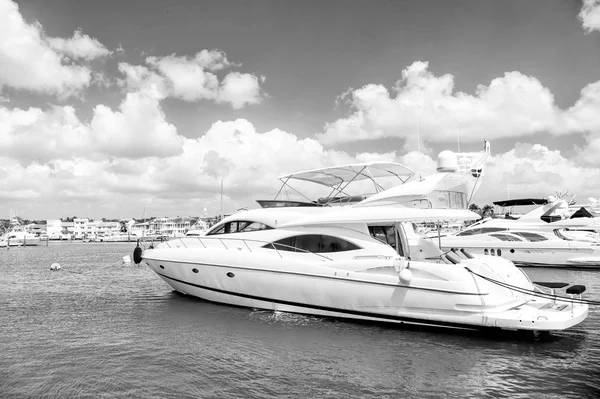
(559,257)
(382,298)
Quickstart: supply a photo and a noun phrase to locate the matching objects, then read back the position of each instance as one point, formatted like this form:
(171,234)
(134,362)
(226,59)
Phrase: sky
(141,108)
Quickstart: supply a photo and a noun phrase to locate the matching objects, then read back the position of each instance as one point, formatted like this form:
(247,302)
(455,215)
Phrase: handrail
(245,241)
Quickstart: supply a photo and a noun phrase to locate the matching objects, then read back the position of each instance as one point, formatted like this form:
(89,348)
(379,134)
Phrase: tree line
(484,212)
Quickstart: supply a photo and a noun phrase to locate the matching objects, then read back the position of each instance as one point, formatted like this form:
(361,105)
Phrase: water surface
(98,328)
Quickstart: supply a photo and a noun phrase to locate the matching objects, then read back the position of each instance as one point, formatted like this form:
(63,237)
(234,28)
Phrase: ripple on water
(99,328)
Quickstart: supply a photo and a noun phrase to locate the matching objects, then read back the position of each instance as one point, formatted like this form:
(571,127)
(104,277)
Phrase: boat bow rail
(242,244)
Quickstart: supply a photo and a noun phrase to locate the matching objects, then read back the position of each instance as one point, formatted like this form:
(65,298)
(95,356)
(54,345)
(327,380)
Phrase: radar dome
(447,162)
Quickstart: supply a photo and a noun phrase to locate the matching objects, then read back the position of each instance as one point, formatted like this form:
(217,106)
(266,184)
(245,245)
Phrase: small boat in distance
(16,234)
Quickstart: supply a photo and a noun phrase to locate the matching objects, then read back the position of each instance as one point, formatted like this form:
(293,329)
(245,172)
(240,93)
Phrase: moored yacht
(357,263)
(546,236)
(17,235)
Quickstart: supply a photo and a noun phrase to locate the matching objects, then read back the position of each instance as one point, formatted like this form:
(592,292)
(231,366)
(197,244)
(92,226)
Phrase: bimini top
(337,175)
(522,201)
(337,179)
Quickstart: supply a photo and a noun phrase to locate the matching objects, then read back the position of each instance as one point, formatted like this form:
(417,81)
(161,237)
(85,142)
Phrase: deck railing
(245,241)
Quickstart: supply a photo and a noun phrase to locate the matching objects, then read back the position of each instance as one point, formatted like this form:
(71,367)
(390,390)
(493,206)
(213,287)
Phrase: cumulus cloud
(194,78)
(421,103)
(188,178)
(189,79)
(28,60)
(533,170)
(590,15)
(139,78)
(233,151)
(80,46)
(138,129)
(239,89)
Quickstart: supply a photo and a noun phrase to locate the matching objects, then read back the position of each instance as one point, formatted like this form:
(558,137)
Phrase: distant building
(172,226)
(54,229)
(105,229)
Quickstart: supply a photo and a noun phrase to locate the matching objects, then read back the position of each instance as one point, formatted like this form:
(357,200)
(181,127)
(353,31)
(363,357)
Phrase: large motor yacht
(359,263)
(548,236)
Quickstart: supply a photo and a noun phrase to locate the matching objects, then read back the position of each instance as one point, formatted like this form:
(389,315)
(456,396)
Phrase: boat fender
(137,254)
(405,276)
(55,266)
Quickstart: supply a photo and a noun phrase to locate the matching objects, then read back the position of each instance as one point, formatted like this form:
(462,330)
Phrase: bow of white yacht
(358,263)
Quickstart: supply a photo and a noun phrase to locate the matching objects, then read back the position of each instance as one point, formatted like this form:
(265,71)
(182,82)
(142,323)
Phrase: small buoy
(137,254)
(55,266)
(405,276)
(126,259)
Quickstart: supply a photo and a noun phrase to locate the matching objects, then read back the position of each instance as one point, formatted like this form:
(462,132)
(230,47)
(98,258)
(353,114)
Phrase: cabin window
(532,237)
(316,243)
(481,230)
(238,226)
(485,252)
(492,252)
(505,237)
(385,234)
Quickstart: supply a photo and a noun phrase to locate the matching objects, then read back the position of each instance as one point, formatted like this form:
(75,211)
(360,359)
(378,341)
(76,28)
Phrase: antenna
(221,198)
(418,138)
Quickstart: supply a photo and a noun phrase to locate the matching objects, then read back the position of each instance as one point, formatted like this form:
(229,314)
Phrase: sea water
(102,328)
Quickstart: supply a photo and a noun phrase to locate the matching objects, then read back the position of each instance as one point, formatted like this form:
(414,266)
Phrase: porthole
(195,270)
(485,252)
(499,252)
(492,252)
(229,274)
(161,266)
(512,251)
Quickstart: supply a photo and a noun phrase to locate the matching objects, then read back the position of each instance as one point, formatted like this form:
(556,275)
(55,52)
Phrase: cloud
(194,78)
(188,78)
(139,78)
(172,174)
(421,103)
(533,170)
(80,46)
(137,129)
(590,15)
(239,89)
(28,61)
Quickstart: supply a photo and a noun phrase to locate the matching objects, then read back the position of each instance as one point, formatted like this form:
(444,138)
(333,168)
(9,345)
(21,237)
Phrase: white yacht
(17,235)
(359,263)
(4,242)
(544,236)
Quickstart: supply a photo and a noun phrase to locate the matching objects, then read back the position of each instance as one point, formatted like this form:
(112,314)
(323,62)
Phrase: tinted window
(237,227)
(313,243)
(482,230)
(533,237)
(505,237)
(384,234)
